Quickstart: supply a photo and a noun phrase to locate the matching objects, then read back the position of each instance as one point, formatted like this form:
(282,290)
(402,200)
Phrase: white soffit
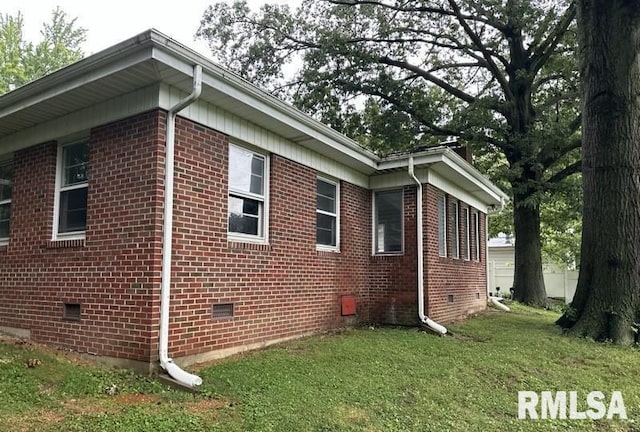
(449,166)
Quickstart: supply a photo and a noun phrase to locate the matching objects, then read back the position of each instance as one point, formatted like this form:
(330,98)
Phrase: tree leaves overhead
(22,61)
(499,75)
(453,69)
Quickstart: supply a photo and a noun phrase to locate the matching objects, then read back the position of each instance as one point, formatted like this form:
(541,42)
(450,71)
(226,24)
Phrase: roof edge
(441,154)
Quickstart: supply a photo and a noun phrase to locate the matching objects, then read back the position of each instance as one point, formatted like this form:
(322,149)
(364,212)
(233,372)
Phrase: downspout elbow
(495,301)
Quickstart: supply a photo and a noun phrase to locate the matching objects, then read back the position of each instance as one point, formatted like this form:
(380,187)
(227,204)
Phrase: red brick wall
(282,289)
(285,288)
(114,275)
(464,280)
(393,278)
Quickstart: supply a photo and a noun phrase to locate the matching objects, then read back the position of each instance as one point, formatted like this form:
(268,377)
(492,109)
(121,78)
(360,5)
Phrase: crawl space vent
(222,310)
(72,311)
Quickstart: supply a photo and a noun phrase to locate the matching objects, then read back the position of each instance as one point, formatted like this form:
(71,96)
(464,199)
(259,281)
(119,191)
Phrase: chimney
(461,150)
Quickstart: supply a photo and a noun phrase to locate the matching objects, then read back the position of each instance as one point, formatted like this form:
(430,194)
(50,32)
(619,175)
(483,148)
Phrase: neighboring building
(560,282)
(281,226)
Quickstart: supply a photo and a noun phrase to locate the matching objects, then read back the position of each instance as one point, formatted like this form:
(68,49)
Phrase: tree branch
(542,53)
(430,77)
(493,68)
(421,9)
(552,152)
(573,168)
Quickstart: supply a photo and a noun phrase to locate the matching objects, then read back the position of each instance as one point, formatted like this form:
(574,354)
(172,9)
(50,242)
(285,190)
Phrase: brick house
(275,225)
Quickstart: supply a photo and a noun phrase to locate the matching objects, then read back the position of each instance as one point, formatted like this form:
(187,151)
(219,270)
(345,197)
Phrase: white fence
(559,282)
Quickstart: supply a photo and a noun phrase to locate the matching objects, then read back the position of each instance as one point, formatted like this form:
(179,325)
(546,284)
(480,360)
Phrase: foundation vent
(72,311)
(222,310)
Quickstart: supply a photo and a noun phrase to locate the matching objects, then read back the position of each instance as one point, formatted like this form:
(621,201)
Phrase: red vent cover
(348,305)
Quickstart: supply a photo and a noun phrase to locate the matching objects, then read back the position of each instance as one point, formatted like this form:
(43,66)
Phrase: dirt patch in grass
(206,405)
(70,356)
(137,399)
(110,405)
(32,422)
(574,362)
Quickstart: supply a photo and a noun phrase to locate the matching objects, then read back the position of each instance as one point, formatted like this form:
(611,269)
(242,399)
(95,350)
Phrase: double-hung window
(476,233)
(6,184)
(327,214)
(247,194)
(72,189)
(455,230)
(442,225)
(466,222)
(388,222)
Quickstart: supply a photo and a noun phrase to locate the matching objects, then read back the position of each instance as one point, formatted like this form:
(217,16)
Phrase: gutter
(438,328)
(237,82)
(184,378)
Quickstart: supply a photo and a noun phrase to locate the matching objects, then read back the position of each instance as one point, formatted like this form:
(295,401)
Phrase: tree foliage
(499,75)
(22,61)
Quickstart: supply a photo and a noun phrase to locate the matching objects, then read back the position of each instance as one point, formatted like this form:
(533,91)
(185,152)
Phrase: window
(388,221)
(72,192)
(327,222)
(442,225)
(247,186)
(466,226)
(455,231)
(476,234)
(6,184)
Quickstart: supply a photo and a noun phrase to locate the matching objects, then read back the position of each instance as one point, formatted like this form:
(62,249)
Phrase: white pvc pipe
(438,328)
(183,377)
(495,301)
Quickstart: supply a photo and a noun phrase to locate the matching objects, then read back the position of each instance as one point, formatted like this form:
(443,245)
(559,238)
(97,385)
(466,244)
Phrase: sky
(112,21)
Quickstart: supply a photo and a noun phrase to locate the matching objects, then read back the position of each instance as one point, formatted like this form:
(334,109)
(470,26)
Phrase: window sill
(66,243)
(327,249)
(243,244)
(382,256)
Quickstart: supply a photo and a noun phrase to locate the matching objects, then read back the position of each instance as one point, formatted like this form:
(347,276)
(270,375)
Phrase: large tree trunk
(607,301)
(528,281)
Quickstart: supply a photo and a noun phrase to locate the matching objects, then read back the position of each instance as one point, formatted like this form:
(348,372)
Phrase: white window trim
(5,240)
(374,224)
(467,232)
(456,227)
(263,238)
(442,198)
(327,248)
(476,218)
(73,235)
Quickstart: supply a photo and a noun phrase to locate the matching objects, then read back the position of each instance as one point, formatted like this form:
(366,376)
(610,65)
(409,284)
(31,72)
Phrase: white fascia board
(183,59)
(76,75)
(453,188)
(483,184)
(452,160)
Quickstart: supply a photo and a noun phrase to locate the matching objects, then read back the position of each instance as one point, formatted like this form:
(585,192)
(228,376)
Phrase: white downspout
(493,301)
(183,377)
(420,245)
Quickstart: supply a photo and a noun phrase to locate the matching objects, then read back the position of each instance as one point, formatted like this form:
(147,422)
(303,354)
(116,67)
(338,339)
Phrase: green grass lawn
(381,379)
